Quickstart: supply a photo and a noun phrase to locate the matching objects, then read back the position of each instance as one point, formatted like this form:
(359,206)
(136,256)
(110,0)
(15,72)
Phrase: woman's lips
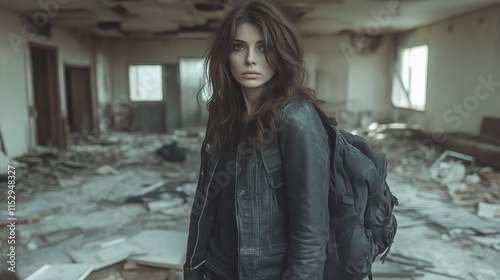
(251,74)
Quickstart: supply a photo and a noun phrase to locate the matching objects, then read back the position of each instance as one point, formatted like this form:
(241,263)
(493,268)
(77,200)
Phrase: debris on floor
(108,252)
(167,201)
(488,210)
(54,237)
(62,271)
(166,249)
(126,271)
(106,170)
(171,152)
(132,221)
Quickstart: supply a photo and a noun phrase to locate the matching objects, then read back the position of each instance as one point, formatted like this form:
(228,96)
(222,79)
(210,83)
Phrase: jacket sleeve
(306,168)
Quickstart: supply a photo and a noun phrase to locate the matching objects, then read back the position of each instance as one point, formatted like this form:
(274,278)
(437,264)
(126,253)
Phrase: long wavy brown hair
(283,52)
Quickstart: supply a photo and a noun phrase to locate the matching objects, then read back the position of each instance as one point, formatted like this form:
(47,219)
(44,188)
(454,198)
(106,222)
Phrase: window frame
(129,82)
(397,71)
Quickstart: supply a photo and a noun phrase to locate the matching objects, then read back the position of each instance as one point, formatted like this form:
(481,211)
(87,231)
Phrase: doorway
(49,130)
(79,99)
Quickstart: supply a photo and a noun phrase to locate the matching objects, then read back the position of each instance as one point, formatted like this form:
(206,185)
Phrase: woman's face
(247,60)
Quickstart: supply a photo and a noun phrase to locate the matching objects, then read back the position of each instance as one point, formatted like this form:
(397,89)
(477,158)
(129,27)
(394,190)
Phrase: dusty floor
(57,197)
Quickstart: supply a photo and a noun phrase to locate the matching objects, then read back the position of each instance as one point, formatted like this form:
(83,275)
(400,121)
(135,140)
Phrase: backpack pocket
(384,235)
(356,249)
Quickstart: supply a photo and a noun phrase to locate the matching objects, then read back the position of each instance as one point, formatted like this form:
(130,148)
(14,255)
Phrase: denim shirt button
(242,192)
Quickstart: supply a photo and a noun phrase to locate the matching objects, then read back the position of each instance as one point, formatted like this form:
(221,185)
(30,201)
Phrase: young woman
(247,223)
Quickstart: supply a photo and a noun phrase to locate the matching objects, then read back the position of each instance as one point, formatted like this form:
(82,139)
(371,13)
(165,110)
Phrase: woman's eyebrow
(241,41)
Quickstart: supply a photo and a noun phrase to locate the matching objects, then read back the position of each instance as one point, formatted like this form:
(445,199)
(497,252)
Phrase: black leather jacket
(276,240)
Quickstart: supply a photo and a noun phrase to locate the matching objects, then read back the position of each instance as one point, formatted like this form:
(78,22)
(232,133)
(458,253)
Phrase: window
(146,82)
(410,80)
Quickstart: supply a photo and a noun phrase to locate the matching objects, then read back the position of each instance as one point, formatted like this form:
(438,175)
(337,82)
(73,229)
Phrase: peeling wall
(16,93)
(463,53)
(336,79)
(13,92)
(348,82)
(368,82)
(327,70)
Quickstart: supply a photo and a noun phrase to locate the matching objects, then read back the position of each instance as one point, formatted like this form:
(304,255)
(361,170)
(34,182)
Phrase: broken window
(146,82)
(410,79)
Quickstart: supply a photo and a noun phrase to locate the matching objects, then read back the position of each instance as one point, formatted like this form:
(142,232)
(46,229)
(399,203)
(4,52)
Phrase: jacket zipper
(236,212)
(201,215)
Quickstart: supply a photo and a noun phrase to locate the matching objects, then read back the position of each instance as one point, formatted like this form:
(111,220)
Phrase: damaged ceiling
(152,18)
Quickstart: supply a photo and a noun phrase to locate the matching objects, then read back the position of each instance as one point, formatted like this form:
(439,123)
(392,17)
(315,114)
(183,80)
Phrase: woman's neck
(251,97)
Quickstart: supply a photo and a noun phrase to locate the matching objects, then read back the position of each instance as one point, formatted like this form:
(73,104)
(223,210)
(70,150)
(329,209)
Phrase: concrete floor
(94,203)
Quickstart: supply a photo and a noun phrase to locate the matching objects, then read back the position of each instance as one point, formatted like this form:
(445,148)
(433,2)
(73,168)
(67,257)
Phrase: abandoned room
(103,113)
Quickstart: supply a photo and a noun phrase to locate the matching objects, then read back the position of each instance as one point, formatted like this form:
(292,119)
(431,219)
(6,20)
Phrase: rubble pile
(450,192)
(102,191)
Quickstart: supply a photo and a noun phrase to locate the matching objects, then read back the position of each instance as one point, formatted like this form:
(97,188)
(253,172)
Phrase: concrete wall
(349,83)
(15,71)
(464,52)
(103,72)
(343,82)
(368,82)
(328,70)
(13,92)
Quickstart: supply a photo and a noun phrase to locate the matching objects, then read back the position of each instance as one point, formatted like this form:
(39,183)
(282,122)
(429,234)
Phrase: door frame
(58,135)
(92,101)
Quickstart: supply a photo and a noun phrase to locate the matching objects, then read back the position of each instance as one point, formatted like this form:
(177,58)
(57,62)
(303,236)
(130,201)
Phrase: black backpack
(362,225)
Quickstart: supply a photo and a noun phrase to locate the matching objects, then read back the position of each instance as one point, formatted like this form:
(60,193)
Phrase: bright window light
(410,83)
(146,82)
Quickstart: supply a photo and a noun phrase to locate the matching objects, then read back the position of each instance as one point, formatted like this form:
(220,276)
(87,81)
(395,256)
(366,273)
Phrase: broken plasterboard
(106,253)
(165,248)
(452,217)
(488,210)
(451,154)
(164,204)
(62,271)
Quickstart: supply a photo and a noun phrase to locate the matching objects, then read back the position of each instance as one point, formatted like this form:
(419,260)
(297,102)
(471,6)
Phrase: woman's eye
(238,47)
(261,48)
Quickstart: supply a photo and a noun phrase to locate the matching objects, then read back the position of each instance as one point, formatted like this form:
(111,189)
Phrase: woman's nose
(250,59)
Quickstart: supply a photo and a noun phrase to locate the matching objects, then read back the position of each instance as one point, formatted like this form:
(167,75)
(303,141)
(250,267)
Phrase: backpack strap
(271,155)
(336,141)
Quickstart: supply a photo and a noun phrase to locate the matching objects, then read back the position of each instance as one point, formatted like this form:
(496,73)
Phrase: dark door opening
(46,96)
(79,99)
